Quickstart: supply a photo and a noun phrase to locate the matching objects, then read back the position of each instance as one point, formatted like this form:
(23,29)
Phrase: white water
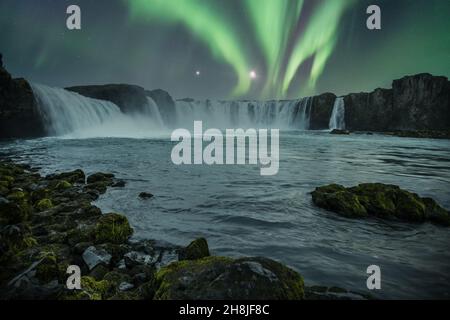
(70,115)
(337,120)
(292,114)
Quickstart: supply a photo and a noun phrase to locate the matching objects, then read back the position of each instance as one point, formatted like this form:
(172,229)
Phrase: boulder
(93,256)
(220,278)
(112,228)
(379,200)
(145,195)
(197,249)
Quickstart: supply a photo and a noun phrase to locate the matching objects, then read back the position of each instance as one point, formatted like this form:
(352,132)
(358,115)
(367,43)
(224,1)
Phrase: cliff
(19,115)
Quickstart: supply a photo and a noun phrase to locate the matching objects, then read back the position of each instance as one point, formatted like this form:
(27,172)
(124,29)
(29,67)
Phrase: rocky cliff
(322,107)
(129,98)
(419,102)
(19,115)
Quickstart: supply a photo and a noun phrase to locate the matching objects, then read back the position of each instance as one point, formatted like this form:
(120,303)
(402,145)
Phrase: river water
(242,213)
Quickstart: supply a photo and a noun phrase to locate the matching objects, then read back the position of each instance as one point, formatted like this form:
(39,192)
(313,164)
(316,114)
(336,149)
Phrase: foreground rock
(379,200)
(48,224)
(219,278)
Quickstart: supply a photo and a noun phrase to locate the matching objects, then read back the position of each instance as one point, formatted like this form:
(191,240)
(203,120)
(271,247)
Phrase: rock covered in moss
(100,177)
(112,228)
(222,278)
(44,204)
(197,249)
(76,176)
(379,200)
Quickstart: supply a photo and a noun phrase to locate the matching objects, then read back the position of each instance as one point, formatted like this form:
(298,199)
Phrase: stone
(219,278)
(197,249)
(93,257)
(379,200)
(112,228)
(145,195)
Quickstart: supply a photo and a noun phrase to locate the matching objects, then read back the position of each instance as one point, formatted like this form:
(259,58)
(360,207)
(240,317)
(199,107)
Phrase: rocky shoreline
(48,224)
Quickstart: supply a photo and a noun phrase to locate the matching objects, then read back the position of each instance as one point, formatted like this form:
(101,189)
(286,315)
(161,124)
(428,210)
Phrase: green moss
(44,204)
(90,290)
(63,185)
(48,269)
(197,249)
(409,207)
(4,183)
(112,228)
(435,212)
(8,179)
(17,196)
(225,278)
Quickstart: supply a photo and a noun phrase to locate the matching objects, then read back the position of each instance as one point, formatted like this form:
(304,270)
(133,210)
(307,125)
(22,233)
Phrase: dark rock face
(128,98)
(19,114)
(379,200)
(165,103)
(322,107)
(419,102)
(369,111)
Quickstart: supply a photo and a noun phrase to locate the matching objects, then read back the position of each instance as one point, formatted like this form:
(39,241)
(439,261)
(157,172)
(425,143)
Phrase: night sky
(258,49)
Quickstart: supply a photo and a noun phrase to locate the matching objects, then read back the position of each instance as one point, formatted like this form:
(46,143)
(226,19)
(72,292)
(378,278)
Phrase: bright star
(197,73)
(253,74)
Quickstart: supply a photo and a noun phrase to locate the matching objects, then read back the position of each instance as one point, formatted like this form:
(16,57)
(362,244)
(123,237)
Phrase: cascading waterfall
(72,115)
(286,114)
(337,120)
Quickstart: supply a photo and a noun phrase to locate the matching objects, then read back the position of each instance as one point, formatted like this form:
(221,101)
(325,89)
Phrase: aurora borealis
(295,47)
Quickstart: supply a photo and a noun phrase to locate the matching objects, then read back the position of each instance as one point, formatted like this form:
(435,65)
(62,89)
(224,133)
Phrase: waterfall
(286,114)
(337,120)
(72,115)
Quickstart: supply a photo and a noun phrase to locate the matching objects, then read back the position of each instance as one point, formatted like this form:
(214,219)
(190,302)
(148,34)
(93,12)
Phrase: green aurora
(296,47)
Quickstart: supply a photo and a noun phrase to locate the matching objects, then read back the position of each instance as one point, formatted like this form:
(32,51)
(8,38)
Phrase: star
(252,74)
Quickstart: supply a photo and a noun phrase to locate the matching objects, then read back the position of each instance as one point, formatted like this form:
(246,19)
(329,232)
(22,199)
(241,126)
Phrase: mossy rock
(15,238)
(17,196)
(380,200)
(48,269)
(342,202)
(221,278)
(197,249)
(13,213)
(100,177)
(90,290)
(44,204)
(435,212)
(76,176)
(63,185)
(112,228)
